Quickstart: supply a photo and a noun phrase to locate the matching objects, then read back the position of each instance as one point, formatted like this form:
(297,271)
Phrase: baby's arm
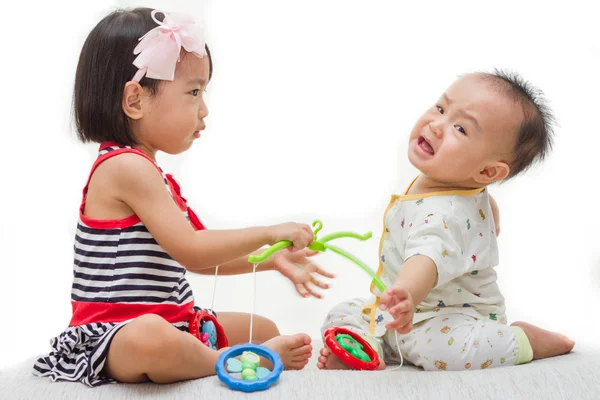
(416,279)
(434,255)
(496,214)
(139,186)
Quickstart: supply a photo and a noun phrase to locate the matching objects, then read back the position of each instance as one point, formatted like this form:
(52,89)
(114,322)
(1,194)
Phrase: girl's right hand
(301,235)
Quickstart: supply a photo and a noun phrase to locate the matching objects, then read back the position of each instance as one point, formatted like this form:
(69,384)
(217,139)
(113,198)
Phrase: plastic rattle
(349,347)
(346,345)
(253,377)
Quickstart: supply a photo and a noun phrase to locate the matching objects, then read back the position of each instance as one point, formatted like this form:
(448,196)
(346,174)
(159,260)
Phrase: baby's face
(468,136)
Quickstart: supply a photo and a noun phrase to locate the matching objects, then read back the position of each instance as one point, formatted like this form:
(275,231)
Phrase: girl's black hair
(105,66)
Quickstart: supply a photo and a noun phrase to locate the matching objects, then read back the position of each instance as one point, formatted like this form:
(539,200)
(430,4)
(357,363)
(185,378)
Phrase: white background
(310,106)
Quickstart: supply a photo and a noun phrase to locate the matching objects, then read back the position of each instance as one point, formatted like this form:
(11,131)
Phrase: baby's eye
(440,109)
(460,129)
(194,92)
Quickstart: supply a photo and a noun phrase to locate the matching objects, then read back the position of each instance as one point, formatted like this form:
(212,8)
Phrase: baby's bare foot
(328,360)
(294,350)
(545,343)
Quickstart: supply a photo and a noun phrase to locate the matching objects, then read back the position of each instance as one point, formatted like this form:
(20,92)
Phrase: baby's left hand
(298,269)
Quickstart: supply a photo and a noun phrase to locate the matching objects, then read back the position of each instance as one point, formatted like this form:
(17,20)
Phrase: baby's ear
(132,100)
(492,173)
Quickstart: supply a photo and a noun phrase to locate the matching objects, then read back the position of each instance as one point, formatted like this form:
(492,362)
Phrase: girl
(134,317)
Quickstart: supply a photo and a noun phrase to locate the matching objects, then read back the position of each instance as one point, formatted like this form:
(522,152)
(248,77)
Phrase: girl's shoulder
(123,163)
(119,179)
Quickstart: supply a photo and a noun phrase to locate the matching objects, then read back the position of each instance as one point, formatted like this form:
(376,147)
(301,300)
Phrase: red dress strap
(113,223)
(182,203)
(173,187)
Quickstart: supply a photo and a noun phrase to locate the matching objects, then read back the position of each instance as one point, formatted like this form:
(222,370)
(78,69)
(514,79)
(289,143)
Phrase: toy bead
(208,328)
(249,375)
(250,359)
(246,365)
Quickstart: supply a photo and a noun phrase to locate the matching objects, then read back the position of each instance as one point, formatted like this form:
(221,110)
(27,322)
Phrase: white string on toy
(399,353)
(212,304)
(253,301)
(255,266)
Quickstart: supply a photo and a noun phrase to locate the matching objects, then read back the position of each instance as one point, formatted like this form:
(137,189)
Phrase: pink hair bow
(160,48)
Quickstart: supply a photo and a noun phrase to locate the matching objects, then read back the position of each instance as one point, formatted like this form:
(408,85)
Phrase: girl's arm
(305,275)
(239,266)
(139,185)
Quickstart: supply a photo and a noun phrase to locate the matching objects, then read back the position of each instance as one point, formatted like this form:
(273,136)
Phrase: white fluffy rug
(574,376)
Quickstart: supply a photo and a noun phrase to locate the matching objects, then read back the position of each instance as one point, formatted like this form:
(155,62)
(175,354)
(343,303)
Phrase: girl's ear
(132,100)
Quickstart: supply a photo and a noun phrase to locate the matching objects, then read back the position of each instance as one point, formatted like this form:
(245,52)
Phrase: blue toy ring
(249,386)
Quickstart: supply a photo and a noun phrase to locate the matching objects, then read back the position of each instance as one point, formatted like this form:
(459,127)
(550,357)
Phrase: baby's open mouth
(425,146)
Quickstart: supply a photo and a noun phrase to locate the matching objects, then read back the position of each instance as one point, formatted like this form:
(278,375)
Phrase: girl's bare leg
(150,348)
(294,350)
(237,328)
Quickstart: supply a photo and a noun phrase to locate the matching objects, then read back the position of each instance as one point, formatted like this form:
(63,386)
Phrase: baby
(438,249)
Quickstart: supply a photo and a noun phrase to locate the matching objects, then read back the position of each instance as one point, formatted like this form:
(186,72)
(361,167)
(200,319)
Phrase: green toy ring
(322,245)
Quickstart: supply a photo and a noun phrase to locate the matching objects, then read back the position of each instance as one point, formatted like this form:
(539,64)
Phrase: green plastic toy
(250,362)
(323,245)
(349,344)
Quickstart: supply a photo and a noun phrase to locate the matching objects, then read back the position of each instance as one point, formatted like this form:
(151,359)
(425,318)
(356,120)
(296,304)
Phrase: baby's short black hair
(535,135)
(105,66)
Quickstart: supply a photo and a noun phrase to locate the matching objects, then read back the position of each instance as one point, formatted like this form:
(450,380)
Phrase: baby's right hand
(399,302)
(299,234)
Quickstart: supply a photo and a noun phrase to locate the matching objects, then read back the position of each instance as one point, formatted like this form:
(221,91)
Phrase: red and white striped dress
(120,273)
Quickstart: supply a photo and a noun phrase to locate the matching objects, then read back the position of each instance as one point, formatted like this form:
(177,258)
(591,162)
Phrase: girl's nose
(203,111)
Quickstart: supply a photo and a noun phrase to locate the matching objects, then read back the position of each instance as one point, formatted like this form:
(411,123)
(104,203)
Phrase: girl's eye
(440,109)
(460,129)
(194,92)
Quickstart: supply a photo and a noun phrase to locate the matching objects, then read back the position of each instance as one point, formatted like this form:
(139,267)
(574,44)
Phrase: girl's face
(174,117)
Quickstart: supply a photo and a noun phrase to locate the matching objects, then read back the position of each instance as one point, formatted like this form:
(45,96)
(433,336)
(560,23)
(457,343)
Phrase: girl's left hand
(298,269)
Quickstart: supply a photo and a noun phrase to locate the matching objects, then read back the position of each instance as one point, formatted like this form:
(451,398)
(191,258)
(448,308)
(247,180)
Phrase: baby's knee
(347,314)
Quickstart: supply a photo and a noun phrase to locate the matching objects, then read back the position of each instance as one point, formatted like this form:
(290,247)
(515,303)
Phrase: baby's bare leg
(544,343)
(150,348)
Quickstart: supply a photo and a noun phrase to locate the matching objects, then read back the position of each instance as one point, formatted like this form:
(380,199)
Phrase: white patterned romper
(461,324)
